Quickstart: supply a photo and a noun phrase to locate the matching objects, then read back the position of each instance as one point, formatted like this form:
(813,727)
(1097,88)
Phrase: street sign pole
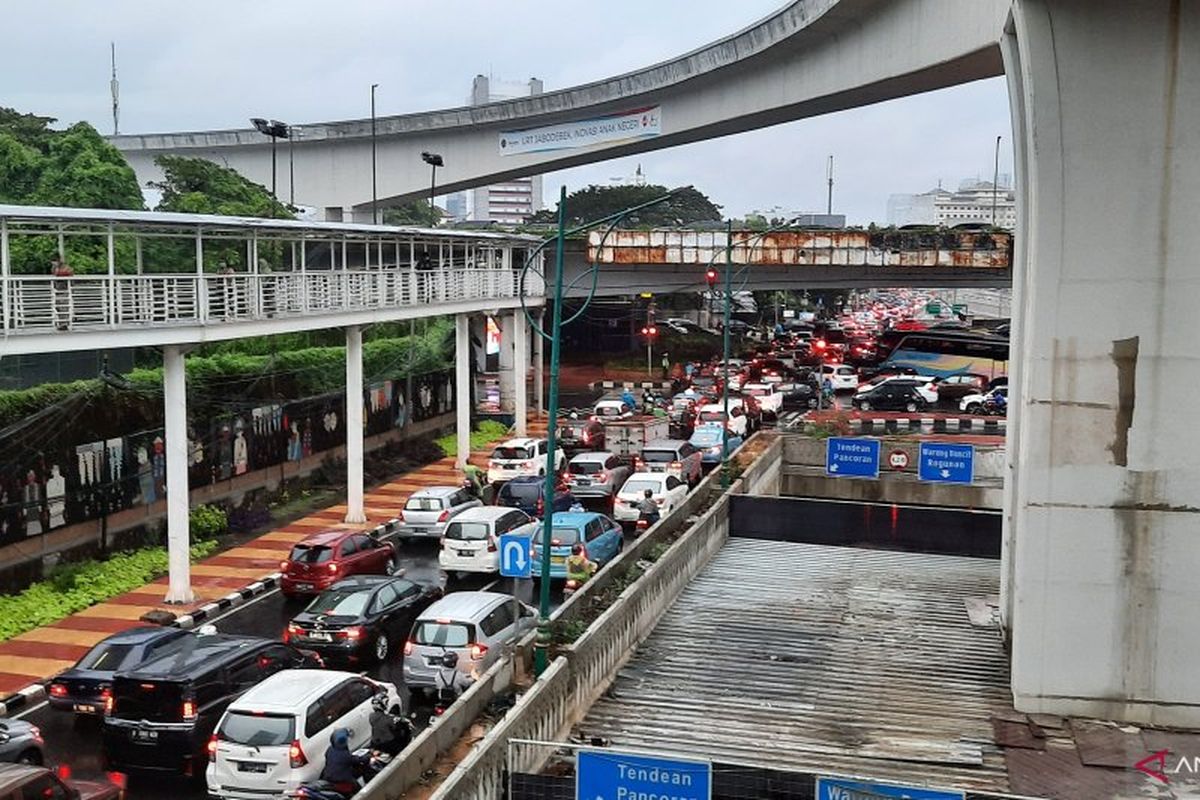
(725,351)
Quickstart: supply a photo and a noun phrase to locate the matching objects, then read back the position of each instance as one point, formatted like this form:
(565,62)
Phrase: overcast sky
(214,64)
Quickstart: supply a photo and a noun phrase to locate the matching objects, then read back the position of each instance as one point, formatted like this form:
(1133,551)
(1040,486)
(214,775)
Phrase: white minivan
(273,738)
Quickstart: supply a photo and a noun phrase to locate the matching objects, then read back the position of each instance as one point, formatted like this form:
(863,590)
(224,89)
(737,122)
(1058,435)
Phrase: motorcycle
(448,688)
(645,520)
(372,763)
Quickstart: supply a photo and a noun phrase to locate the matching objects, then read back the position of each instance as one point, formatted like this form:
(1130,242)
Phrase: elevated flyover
(809,58)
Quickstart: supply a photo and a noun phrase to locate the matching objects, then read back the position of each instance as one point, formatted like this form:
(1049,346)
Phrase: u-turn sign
(516,555)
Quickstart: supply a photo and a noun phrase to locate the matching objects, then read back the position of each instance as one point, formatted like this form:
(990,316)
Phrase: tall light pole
(292,165)
(434,160)
(829,177)
(995,180)
(275,130)
(374,182)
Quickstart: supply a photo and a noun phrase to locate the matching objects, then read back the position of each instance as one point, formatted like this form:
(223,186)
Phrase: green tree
(30,130)
(196,186)
(84,171)
(595,202)
(414,212)
(20,166)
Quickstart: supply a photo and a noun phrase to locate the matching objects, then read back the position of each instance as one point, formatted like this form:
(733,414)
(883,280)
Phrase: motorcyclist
(388,732)
(477,479)
(579,568)
(647,508)
(628,399)
(341,766)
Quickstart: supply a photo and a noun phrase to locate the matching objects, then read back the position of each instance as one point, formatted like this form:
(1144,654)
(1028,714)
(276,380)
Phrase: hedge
(74,587)
(488,431)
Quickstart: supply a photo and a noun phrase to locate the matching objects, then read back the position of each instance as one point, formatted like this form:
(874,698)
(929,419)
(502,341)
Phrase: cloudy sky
(214,64)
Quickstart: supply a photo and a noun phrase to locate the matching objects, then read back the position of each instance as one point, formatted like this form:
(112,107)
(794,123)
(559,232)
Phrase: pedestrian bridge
(142,278)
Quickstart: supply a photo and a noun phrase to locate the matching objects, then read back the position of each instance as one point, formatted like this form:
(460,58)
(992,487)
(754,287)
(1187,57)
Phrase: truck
(627,437)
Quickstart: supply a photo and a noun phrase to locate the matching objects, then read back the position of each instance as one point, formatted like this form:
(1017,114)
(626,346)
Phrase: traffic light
(711,277)
(649,331)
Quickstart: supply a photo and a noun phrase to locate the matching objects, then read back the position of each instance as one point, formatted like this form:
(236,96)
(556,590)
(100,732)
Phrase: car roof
(435,491)
(573,519)
(328,537)
(592,455)
(603,400)
(362,582)
(483,513)
(186,662)
(665,444)
(757,385)
(463,605)
(289,690)
(520,442)
(658,477)
(142,635)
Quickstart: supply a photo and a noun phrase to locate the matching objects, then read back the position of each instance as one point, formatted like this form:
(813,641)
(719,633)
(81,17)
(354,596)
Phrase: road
(76,743)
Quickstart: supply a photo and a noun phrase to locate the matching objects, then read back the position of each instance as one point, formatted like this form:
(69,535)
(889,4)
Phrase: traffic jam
(314,690)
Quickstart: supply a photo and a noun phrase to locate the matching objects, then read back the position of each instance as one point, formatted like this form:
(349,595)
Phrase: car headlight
(35,731)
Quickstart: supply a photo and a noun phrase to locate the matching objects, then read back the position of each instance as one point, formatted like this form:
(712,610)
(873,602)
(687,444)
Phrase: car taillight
(587,437)
(189,710)
(541,506)
(602,476)
(408,647)
(212,748)
(58,690)
(108,704)
(658,501)
(478,651)
(445,515)
(283,566)
(292,630)
(353,633)
(296,757)
(400,516)
(492,544)
(676,465)
(333,567)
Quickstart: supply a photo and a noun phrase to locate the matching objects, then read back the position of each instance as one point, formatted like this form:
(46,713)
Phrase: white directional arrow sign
(945,473)
(833,467)
(515,556)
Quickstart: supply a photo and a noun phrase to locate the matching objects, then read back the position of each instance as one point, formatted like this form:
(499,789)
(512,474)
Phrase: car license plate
(583,481)
(84,708)
(141,736)
(304,587)
(250,766)
(558,560)
(466,553)
(320,637)
(420,530)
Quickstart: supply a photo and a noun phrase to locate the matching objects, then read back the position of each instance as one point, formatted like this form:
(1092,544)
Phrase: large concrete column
(355,512)
(539,366)
(507,382)
(520,339)
(462,388)
(1102,536)
(179,565)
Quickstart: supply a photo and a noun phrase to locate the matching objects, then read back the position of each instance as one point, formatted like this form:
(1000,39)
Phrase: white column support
(520,339)
(462,388)
(539,368)
(179,565)
(355,512)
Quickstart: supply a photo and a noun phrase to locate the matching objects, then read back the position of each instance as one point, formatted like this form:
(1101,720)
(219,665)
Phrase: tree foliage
(197,186)
(414,212)
(84,171)
(688,206)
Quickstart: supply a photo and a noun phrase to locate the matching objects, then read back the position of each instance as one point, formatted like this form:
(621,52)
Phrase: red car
(325,558)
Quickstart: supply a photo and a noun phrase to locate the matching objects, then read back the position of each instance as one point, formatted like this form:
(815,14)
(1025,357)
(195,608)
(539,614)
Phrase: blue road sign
(516,555)
(946,462)
(842,789)
(613,775)
(852,457)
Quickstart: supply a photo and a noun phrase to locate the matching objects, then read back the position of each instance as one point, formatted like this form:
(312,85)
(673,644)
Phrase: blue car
(84,687)
(526,493)
(601,537)
(707,439)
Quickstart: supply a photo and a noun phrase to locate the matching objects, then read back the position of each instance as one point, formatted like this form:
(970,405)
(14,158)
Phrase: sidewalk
(220,582)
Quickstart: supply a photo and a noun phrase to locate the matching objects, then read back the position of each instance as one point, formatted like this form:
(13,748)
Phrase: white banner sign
(627,126)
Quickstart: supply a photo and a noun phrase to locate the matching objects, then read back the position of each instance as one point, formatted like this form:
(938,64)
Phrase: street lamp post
(374,183)
(434,160)
(274,129)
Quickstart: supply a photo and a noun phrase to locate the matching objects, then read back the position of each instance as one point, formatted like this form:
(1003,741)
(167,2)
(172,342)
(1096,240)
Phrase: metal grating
(823,659)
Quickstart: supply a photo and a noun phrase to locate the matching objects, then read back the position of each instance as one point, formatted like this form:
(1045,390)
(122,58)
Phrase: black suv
(161,714)
(895,395)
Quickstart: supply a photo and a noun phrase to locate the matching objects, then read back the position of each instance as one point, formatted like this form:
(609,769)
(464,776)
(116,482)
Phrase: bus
(946,352)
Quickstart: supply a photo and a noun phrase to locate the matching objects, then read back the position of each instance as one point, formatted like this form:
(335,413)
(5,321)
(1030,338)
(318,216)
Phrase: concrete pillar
(1102,536)
(462,387)
(520,371)
(355,512)
(179,564)
(539,367)
(508,386)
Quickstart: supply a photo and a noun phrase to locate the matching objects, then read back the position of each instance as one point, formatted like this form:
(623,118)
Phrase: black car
(360,618)
(799,396)
(84,687)
(161,714)
(580,435)
(527,493)
(894,395)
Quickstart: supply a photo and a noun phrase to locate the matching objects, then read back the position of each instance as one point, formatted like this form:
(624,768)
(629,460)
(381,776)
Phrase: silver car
(21,742)
(596,474)
(428,511)
(475,626)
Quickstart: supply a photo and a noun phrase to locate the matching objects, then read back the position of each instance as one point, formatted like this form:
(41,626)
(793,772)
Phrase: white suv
(767,395)
(273,738)
(518,457)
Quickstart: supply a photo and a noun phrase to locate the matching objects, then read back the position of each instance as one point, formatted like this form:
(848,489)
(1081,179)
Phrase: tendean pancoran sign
(626,126)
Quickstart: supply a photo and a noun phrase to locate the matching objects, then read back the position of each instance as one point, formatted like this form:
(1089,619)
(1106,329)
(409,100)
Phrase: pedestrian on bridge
(60,289)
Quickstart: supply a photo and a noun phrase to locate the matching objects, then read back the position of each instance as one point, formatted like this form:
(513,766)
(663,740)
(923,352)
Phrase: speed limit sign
(898,459)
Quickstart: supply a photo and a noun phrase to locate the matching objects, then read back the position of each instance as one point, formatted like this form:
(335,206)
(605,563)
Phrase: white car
(843,377)
(609,410)
(926,385)
(471,541)
(273,738)
(667,492)
(518,457)
(767,395)
(716,413)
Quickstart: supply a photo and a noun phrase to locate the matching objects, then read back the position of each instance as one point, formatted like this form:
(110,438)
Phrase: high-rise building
(514,200)
(972,203)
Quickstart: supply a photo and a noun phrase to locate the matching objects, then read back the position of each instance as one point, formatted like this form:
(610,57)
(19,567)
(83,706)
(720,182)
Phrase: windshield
(707,437)
(255,729)
(573,430)
(311,553)
(469,531)
(423,504)
(521,492)
(585,467)
(758,392)
(683,402)
(658,456)
(340,604)
(712,416)
(564,536)
(608,411)
(153,701)
(106,657)
(441,634)
(639,487)
(512,453)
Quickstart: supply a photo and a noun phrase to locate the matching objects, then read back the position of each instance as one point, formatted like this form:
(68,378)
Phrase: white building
(512,201)
(972,203)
